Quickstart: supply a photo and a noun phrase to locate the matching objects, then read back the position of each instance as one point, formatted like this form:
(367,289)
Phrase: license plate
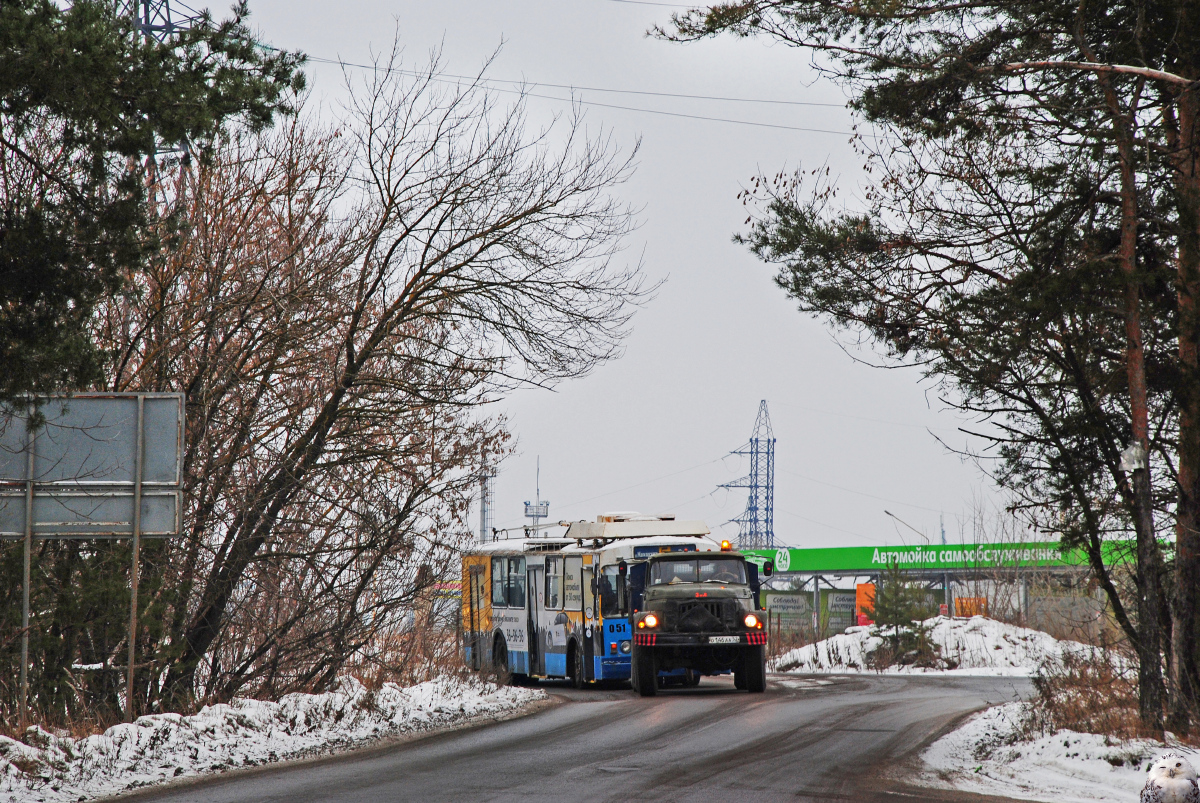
(724,639)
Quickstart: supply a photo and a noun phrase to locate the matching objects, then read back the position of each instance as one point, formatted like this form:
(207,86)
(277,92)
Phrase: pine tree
(900,607)
(1034,244)
(85,102)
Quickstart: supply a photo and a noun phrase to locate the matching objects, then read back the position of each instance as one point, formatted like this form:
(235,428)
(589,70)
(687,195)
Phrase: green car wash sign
(935,556)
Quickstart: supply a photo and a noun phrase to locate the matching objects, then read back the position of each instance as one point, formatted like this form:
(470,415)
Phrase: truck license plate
(724,639)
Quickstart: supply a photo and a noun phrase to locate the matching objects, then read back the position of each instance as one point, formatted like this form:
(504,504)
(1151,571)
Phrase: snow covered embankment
(987,756)
(975,646)
(244,733)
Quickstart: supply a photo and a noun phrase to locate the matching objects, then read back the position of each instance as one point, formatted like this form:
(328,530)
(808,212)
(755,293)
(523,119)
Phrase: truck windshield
(702,570)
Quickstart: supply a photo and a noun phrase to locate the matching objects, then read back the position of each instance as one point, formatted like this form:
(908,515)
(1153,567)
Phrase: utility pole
(540,508)
(947,591)
(487,502)
(924,537)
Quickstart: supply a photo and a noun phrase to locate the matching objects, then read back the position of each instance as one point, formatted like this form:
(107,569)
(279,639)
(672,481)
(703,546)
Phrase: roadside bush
(1093,692)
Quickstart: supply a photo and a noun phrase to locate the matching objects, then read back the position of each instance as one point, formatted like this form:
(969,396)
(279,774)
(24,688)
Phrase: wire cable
(648,3)
(866,418)
(587,89)
(645,482)
(338,62)
(829,526)
(860,493)
(451,78)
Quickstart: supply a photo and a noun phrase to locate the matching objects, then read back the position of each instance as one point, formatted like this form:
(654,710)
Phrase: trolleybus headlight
(751,620)
(625,648)
(650,621)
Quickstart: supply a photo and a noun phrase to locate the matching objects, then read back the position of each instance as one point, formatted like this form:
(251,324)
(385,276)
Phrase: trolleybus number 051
(724,639)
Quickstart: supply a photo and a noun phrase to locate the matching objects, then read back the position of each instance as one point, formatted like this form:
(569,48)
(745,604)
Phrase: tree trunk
(1149,570)
(1187,524)
(1138,493)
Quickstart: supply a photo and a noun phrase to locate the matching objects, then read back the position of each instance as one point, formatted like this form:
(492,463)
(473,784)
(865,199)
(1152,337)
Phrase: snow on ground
(975,646)
(987,756)
(160,747)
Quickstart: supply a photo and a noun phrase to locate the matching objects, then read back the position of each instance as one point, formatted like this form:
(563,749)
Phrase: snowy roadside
(245,733)
(975,646)
(987,755)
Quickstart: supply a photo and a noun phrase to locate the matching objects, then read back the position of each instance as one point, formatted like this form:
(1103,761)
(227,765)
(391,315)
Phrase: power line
(702,117)
(860,493)
(648,3)
(339,62)
(666,94)
(828,526)
(451,78)
(868,418)
(685,502)
(646,482)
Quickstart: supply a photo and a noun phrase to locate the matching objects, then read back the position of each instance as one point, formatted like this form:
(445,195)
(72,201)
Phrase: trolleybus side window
(589,592)
(508,582)
(573,584)
(499,599)
(516,582)
(614,598)
(553,583)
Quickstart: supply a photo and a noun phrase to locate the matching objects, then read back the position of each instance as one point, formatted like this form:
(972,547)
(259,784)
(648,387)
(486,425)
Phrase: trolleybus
(560,606)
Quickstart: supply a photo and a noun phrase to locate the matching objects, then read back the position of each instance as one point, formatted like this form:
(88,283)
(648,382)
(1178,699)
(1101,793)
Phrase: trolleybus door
(475,589)
(591,624)
(537,604)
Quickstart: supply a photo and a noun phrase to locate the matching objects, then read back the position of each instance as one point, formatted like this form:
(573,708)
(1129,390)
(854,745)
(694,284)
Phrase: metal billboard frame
(96,461)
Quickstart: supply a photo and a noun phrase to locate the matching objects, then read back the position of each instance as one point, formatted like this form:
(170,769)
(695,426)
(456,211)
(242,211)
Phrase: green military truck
(699,613)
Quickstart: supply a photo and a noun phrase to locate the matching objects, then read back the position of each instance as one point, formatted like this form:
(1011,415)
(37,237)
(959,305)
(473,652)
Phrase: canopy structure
(938,559)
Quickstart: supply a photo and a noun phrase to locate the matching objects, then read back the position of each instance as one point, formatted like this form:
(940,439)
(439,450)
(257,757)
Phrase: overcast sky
(649,431)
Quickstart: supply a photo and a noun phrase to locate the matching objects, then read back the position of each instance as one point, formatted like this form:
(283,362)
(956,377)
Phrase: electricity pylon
(756,525)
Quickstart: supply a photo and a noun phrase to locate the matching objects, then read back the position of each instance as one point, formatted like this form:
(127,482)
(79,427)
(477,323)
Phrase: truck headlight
(751,620)
(650,620)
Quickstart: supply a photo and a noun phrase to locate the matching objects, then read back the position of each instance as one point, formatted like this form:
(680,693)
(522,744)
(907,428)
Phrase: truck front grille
(712,606)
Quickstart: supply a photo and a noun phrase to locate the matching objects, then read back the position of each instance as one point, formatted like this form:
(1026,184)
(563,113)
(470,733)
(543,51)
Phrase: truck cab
(699,612)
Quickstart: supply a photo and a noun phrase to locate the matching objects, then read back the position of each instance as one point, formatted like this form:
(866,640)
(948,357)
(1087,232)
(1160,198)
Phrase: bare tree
(343,304)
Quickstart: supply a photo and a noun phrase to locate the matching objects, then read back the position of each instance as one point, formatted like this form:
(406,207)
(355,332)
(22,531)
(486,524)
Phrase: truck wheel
(739,678)
(575,665)
(644,671)
(755,671)
(691,678)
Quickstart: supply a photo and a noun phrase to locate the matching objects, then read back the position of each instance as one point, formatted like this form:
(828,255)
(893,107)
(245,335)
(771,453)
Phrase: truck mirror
(768,568)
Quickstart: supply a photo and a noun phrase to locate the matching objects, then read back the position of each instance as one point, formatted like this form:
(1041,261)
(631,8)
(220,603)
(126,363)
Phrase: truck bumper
(698,639)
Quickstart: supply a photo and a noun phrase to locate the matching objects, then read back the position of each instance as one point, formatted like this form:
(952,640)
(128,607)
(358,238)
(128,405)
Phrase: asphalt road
(804,739)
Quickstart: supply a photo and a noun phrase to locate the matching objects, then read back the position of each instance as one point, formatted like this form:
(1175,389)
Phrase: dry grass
(429,648)
(782,640)
(422,652)
(1093,693)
